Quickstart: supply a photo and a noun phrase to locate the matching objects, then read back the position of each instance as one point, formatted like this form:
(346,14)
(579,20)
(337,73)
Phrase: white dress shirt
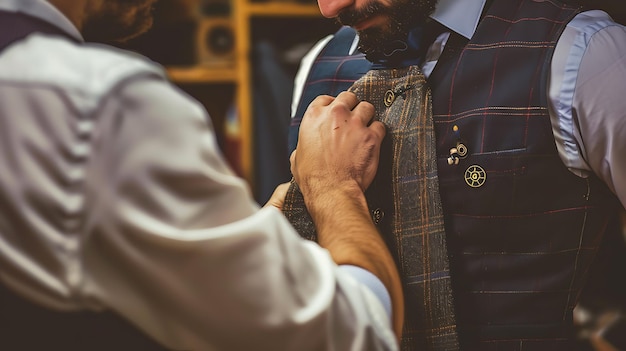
(113,195)
(587,86)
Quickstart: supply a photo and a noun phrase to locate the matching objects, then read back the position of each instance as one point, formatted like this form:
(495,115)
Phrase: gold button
(475,176)
(390,96)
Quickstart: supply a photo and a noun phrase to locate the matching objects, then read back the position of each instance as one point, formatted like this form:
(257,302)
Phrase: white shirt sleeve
(587,98)
(372,282)
(173,242)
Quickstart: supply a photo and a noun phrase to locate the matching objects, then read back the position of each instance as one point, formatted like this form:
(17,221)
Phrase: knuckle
(338,108)
(346,94)
(320,101)
(313,110)
(322,98)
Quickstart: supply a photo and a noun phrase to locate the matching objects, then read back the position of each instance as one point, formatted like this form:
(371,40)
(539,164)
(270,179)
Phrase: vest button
(390,96)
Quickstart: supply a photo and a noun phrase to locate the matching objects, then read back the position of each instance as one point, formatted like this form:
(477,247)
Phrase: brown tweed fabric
(405,204)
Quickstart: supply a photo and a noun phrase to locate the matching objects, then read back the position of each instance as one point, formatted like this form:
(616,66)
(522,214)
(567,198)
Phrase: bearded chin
(373,41)
(404,15)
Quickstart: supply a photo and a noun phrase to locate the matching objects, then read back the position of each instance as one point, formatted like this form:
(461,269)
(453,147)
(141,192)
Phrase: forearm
(345,229)
(336,159)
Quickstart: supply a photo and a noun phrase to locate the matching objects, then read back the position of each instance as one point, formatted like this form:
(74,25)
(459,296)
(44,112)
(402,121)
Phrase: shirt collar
(461,16)
(45,11)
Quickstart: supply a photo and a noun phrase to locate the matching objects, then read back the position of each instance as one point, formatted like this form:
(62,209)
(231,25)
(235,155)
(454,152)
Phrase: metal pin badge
(461,149)
(475,176)
(454,157)
(377,215)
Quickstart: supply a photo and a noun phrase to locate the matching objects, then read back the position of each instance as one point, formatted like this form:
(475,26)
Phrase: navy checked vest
(30,327)
(522,241)
(522,230)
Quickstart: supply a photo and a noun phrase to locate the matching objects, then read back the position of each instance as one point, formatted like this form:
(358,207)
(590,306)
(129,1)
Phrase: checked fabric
(405,205)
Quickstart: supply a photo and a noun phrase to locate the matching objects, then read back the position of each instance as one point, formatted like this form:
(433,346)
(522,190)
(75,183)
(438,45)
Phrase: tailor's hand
(337,145)
(278,197)
(335,161)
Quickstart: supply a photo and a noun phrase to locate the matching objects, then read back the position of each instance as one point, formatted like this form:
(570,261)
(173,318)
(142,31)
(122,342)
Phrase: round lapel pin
(475,176)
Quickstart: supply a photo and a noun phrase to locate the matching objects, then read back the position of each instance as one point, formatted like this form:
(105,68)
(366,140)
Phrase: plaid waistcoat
(522,229)
(27,326)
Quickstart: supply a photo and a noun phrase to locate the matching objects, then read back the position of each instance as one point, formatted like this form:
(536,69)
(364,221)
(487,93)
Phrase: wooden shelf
(276,8)
(202,74)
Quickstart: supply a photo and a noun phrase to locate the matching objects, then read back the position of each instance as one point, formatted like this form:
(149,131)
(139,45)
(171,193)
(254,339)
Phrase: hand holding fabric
(337,144)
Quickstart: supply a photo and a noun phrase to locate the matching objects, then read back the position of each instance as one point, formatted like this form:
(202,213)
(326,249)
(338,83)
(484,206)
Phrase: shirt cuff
(372,282)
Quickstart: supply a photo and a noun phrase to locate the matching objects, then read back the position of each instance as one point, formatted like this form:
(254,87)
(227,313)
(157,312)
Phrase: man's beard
(119,21)
(403,16)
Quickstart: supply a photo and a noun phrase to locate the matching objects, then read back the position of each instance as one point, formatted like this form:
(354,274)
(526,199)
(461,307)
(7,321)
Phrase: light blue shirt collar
(461,16)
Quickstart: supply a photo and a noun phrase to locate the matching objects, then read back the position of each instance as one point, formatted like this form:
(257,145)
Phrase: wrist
(328,199)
